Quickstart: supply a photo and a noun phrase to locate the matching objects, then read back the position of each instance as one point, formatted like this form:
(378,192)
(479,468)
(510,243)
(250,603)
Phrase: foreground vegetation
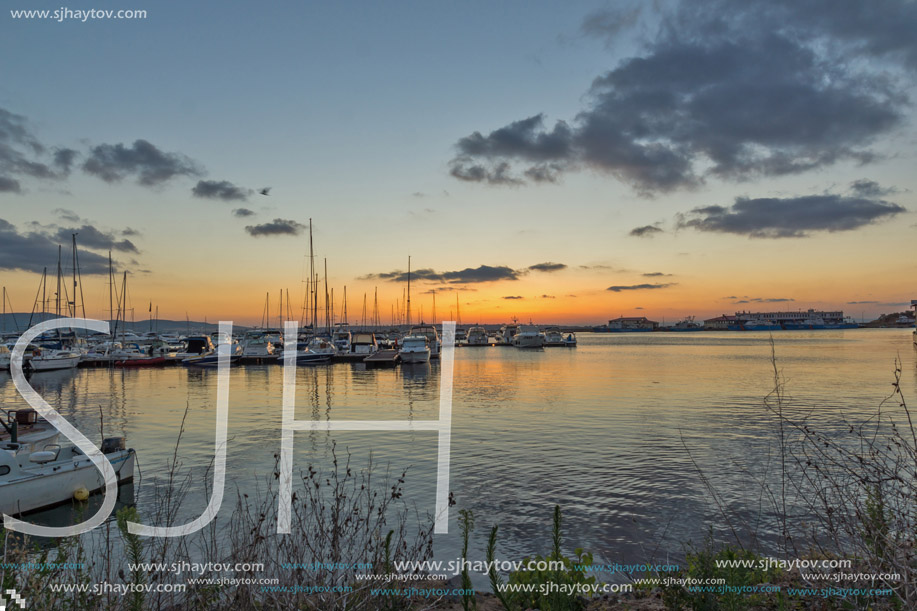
(845,493)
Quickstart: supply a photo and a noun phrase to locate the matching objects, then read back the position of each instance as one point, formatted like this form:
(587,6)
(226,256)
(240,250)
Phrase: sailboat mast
(111,284)
(409,292)
(327,319)
(57,307)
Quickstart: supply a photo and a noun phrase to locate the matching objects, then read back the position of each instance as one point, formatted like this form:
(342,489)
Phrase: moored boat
(414,349)
(35,480)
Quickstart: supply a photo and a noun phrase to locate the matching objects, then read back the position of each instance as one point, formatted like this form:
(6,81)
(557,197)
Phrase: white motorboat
(24,427)
(414,349)
(257,344)
(528,336)
(341,337)
(433,341)
(314,352)
(553,337)
(570,340)
(477,336)
(506,333)
(35,480)
(44,359)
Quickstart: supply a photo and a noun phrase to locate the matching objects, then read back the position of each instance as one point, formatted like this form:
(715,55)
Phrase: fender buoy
(81,494)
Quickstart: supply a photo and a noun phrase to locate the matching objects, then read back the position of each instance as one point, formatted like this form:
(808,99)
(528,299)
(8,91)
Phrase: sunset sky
(539,160)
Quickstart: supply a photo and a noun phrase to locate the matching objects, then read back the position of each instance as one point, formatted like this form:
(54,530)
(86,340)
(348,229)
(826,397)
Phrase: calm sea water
(608,430)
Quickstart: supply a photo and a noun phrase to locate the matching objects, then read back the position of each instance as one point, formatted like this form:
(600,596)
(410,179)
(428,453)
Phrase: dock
(383,358)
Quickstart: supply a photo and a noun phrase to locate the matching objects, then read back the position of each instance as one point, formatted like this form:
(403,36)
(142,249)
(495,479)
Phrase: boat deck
(383,358)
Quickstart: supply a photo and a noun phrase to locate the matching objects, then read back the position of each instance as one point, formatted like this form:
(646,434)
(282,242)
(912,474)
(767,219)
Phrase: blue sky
(358,115)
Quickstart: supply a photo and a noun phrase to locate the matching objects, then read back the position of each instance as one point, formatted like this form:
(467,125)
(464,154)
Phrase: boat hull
(29,494)
(418,356)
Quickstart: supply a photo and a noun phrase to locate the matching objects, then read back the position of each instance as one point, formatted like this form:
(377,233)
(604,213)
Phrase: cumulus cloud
(34,251)
(276,227)
(150,165)
(764,300)
(89,236)
(732,89)
(469,275)
(792,217)
(547,267)
(639,287)
(220,189)
(870,189)
(22,155)
(646,231)
(242,212)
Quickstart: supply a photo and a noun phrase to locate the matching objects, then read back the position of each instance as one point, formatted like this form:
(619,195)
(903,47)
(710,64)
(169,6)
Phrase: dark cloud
(243,212)
(64,158)
(729,89)
(547,267)
(33,251)
(792,217)
(861,302)
(499,174)
(276,227)
(870,189)
(764,300)
(67,215)
(9,185)
(513,297)
(647,231)
(469,275)
(128,231)
(548,297)
(639,287)
(91,237)
(220,189)
(23,155)
(608,24)
(655,274)
(151,166)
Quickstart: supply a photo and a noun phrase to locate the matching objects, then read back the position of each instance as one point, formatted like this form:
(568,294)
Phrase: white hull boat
(49,360)
(414,349)
(23,427)
(528,336)
(31,481)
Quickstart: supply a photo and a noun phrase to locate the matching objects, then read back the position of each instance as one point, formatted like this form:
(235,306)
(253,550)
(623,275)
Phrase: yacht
(414,349)
(34,480)
(528,336)
(48,359)
(477,336)
(341,337)
(257,344)
(506,333)
(314,352)
(363,342)
(433,341)
(553,337)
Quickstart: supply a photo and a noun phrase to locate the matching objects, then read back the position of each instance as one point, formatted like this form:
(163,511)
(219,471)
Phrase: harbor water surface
(610,430)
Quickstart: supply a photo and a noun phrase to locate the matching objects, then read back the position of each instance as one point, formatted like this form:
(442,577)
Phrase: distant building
(791,317)
(720,323)
(632,323)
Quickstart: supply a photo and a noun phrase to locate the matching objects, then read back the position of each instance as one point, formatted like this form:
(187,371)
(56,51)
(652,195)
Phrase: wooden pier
(383,358)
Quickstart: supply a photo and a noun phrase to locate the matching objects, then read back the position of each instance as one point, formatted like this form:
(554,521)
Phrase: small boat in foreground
(25,428)
(35,480)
